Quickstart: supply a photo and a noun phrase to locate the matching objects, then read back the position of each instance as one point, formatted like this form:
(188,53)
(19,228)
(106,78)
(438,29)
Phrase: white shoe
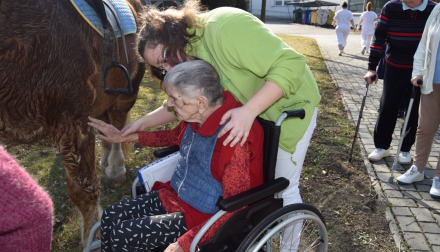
(404,158)
(410,176)
(435,189)
(378,154)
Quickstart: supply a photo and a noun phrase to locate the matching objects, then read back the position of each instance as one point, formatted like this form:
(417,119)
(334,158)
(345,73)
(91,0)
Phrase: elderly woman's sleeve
(419,56)
(160,138)
(379,40)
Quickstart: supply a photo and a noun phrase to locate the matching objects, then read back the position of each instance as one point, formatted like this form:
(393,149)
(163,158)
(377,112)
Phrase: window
(283,2)
(359,5)
(356,6)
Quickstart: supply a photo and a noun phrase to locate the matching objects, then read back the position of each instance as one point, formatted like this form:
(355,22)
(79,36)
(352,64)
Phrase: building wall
(279,8)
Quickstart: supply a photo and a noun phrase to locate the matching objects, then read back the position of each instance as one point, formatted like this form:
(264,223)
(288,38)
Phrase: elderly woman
(207,169)
(426,69)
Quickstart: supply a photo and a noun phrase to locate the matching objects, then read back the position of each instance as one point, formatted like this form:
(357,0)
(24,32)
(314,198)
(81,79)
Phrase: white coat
(426,54)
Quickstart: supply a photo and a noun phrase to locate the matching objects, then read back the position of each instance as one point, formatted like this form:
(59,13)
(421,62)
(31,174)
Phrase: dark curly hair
(171,28)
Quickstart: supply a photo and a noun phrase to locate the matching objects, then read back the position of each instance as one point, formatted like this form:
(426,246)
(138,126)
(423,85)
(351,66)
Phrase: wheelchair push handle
(296,113)
(301,113)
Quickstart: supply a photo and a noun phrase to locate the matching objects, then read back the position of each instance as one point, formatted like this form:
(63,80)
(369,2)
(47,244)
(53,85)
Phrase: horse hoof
(115,182)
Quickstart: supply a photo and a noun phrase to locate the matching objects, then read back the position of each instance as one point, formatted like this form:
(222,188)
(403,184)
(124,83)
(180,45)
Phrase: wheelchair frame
(264,218)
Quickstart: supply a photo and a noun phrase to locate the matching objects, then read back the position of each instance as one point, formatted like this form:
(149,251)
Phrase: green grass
(46,167)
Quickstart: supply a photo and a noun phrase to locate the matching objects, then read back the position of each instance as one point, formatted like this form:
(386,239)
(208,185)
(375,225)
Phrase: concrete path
(414,216)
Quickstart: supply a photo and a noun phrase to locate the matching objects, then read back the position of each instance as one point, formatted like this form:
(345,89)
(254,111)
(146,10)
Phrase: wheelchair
(260,226)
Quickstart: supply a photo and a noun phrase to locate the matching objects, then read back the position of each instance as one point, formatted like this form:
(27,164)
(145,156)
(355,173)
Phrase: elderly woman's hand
(239,125)
(417,80)
(174,247)
(133,127)
(109,132)
(369,77)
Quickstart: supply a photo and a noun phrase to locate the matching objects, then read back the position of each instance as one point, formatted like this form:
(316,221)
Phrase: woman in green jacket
(255,65)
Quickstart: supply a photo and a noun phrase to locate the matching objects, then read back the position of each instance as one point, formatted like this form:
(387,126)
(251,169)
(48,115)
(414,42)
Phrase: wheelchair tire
(266,235)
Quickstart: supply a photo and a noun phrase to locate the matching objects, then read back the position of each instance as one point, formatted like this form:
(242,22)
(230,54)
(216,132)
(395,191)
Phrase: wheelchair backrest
(270,148)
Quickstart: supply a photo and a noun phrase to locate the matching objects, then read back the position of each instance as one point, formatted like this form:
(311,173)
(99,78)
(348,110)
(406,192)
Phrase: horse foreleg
(115,169)
(78,152)
(106,148)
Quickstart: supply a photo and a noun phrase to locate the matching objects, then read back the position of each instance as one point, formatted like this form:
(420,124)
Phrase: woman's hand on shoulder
(238,127)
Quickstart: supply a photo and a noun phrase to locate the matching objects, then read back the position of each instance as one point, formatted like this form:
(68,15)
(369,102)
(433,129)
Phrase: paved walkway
(414,216)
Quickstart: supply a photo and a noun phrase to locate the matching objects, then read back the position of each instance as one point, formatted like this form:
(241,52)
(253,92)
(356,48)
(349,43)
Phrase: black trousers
(397,88)
(139,224)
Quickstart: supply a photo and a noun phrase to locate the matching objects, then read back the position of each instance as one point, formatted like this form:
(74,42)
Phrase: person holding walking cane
(409,18)
(427,70)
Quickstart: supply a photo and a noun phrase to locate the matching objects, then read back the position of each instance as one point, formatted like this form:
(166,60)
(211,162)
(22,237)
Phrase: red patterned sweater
(237,169)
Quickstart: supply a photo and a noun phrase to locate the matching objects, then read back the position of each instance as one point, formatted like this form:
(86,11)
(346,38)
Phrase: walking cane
(359,118)
(408,113)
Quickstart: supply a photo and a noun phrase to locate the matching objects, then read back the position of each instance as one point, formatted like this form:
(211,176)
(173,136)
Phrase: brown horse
(51,81)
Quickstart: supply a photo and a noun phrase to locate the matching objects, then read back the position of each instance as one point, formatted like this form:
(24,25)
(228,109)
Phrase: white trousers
(366,41)
(342,34)
(290,166)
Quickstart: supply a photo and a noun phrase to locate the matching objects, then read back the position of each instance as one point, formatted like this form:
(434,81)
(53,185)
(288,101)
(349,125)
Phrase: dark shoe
(363,50)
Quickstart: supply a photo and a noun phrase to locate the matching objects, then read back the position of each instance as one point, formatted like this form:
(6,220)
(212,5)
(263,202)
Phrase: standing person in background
(367,20)
(400,28)
(275,79)
(427,69)
(342,20)
(26,211)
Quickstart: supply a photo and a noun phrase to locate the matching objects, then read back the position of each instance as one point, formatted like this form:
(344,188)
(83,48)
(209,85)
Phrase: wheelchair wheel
(275,233)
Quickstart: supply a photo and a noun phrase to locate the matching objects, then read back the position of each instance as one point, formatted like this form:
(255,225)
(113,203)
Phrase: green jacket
(246,54)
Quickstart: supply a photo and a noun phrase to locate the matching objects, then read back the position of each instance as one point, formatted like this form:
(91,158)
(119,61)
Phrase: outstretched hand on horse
(110,133)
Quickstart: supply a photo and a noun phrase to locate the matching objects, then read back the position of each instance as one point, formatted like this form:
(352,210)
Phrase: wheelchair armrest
(165,151)
(252,195)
